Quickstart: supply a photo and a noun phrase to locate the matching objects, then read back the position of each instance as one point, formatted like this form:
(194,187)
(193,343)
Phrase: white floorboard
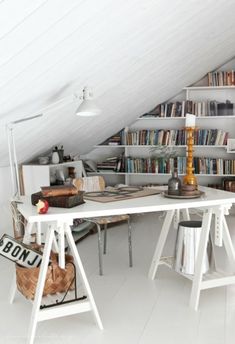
(134,309)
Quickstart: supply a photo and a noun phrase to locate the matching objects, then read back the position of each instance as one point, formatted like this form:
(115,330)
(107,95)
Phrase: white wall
(5,192)
(133,54)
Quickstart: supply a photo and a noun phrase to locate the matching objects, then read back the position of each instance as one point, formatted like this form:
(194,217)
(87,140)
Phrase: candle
(190,120)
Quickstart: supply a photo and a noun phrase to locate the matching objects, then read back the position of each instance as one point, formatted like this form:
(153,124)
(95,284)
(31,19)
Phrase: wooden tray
(199,194)
(59,201)
(119,194)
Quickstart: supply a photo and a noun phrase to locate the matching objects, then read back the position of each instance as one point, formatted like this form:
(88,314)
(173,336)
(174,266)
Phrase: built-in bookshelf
(174,137)
(198,108)
(155,144)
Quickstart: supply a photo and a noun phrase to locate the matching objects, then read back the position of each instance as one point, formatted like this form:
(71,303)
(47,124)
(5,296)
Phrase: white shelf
(110,146)
(183,118)
(209,88)
(67,163)
(157,174)
(34,176)
(211,146)
(158,146)
(210,279)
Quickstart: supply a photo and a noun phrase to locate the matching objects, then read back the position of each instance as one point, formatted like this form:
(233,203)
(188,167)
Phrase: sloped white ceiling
(132,53)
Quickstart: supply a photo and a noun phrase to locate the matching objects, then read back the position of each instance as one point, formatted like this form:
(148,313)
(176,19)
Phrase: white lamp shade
(87,109)
(190,120)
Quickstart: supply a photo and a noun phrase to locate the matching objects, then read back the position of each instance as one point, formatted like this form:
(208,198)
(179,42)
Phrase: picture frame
(231,146)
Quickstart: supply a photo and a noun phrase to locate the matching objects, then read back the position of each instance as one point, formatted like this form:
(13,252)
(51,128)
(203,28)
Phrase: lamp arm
(16,167)
(15,180)
(9,142)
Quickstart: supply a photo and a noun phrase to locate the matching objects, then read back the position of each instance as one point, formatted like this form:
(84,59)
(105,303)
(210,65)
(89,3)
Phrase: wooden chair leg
(105,238)
(130,242)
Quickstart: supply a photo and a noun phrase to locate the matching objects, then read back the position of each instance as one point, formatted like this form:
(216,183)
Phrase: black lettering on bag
(16,251)
(8,247)
(24,255)
(33,262)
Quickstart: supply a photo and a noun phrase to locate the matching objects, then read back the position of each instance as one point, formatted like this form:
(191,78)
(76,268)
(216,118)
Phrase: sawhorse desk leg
(197,280)
(171,215)
(225,239)
(210,281)
(64,309)
(26,240)
(161,243)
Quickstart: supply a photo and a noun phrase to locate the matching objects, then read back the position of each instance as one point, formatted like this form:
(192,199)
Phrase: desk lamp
(87,108)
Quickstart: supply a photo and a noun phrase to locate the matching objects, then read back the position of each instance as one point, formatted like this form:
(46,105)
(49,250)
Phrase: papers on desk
(124,193)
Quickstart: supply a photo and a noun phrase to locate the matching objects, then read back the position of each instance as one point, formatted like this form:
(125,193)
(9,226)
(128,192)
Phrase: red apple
(42,206)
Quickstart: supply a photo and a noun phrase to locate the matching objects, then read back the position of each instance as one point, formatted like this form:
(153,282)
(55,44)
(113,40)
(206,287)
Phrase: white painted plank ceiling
(132,53)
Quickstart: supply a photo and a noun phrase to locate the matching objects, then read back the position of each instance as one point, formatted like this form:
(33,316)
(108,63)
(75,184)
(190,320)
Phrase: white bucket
(187,242)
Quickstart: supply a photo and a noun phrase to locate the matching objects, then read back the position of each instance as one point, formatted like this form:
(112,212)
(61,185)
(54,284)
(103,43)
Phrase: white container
(43,160)
(187,242)
(55,159)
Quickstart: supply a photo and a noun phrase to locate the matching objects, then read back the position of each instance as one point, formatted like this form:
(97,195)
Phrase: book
(58,190)
(225,109)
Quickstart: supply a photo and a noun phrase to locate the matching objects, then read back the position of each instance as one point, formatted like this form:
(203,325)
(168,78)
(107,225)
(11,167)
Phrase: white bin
(187,242)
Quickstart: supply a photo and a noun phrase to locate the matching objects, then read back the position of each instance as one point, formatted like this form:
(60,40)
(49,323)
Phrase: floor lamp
(15,180)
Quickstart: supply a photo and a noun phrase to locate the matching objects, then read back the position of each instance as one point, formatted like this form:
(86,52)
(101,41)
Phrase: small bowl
(43,160)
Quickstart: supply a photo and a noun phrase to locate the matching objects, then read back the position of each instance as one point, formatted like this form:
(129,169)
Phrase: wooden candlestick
(190,178)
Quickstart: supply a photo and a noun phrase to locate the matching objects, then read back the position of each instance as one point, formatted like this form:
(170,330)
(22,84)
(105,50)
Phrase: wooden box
(59,201)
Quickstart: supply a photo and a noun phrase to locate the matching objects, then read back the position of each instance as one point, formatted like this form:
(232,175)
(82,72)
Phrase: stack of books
(115,140)
(110,164)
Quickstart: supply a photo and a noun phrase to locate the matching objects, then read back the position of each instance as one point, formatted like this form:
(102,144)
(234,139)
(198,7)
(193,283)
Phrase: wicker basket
(57,279)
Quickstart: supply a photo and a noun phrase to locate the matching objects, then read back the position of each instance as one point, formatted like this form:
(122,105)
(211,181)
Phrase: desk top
(212,197)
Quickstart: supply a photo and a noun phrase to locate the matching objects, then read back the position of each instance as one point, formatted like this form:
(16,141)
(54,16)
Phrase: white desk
(215,202)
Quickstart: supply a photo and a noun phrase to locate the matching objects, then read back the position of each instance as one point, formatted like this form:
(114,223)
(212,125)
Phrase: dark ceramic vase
(174,184)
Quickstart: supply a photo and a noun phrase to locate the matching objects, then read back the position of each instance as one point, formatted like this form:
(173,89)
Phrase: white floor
(134,310)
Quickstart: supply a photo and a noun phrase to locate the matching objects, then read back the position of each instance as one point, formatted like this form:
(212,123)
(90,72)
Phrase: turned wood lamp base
(189,178)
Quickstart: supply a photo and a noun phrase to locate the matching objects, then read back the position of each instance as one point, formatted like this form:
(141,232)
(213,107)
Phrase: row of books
(215,186)
(167,165)
(221,78)
(156,137)
(176,137)
(198,108)
(115,140)
(227,184)
(110,164)
(155,165)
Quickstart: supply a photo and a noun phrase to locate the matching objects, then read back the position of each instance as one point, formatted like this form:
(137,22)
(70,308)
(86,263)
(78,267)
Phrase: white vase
(55,159)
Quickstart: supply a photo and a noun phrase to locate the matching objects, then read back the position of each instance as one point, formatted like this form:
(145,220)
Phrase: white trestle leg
(201,254)
(161,242)
(73,307)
